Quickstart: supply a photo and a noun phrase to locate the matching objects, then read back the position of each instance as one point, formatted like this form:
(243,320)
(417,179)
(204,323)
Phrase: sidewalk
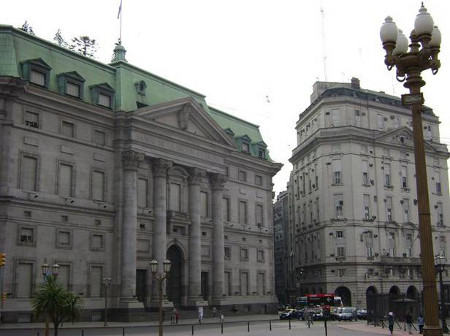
(376,330)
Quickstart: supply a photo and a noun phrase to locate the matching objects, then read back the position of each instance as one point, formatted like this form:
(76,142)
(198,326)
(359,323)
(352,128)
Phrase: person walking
(214,311)
(408,319)
(391,322)
(222,317)
(200,315)
(421,323)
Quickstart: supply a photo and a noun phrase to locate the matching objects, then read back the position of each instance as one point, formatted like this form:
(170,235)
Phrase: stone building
(352,195)
(105,167)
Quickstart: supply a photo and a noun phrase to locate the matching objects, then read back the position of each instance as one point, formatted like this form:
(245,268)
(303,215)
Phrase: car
(346,314)
(361,314)
(289,314)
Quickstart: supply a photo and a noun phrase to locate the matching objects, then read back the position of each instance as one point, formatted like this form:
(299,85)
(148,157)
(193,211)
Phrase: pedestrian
(177,315)
(172,316)
(391,322)
(408,319)
(222,317)
(200,315)
(421,323)
(214,311)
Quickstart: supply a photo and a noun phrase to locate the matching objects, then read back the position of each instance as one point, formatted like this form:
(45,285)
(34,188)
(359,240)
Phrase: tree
(56,303)
(27,28)
(59,40)
(84,45)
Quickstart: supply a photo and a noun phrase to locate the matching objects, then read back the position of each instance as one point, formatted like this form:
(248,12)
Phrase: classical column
(160,167)
(195,260)
(130,160)
(217,183)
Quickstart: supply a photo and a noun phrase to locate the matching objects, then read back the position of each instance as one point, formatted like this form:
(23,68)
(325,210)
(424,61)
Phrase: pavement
(360,326)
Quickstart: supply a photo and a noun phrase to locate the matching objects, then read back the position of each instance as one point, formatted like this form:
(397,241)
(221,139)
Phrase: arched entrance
(374,303)
(345,294)
(174,288)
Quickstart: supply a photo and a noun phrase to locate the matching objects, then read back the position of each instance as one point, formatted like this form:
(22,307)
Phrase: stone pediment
(188,116)
(402,136)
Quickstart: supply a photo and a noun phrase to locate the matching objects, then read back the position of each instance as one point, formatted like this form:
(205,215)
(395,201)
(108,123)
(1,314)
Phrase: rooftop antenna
(119,16)
(324,51)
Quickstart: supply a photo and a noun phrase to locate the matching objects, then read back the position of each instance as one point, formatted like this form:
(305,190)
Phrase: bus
(319,300)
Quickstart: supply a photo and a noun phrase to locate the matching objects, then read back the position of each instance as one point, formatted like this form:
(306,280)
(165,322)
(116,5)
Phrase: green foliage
(56,303)
(84,45)
(59,40)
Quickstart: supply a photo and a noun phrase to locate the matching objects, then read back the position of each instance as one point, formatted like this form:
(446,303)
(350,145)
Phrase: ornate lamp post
(160,278)
(45,269)
(440,267)
(106,282)
(422,55)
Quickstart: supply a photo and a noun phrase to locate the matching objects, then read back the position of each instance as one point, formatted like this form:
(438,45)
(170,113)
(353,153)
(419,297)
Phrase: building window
(258,180)
(387,174)
(226,209)
(26,235)
(339,234)
(405,208)
(66,180)
(175,199)
(24,272)
(227,252)
(242,176)
(365,172)
(67,129)
(439,214)
(245,147)
(404,176)
(71,84)
(340,251)
(260,255)
(389,215)
(337,176)
(243,212)
(29,173)
(32,119)
(63,239)
(98,185)
(99,137)
(437,179)
(103,95)
(341,272)
(366,204)
(339,205)
(391,244)
(36,71)
(259,215)
(261,153)
(244,254)
(97,242)
(335,117)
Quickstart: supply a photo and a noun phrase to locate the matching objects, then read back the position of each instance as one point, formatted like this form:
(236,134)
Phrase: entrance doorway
(205,286)
(141,280)
(174,288)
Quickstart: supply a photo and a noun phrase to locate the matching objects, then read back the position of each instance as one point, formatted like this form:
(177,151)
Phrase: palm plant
(53,302)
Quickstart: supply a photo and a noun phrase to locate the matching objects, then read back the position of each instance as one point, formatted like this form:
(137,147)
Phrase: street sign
(411,99)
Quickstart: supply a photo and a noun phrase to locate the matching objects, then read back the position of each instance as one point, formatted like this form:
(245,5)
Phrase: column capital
(160,167)
(131,159)
(195,175)
(217,181)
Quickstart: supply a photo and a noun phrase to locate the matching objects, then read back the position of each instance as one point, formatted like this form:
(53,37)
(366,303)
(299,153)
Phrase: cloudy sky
(239,52)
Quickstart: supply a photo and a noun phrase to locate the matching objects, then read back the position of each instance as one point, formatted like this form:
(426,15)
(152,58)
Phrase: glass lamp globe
(388,31)
(424,22)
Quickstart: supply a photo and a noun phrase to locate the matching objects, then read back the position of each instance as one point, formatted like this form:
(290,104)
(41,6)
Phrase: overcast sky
(238,52)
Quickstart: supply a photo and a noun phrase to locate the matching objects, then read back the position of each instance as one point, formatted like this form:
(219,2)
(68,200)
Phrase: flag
(120,9)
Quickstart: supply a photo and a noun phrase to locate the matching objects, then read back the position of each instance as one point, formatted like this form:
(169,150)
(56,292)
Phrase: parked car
(346,314)
(287,314)
(361,314)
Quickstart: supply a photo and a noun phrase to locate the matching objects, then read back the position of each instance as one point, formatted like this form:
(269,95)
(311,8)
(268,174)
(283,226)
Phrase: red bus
(319,300)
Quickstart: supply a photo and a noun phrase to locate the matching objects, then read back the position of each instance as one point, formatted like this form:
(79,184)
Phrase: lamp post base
(432,331)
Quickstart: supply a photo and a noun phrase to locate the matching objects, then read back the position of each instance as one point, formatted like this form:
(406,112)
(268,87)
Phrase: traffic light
(2,259)
(4,295)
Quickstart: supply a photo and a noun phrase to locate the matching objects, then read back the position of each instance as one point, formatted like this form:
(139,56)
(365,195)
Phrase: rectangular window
(340,251)
(365,172)
(244,254)
(244,283)
(337,178)
(67,129)
(260,256)
(242,176)
(404,175)
(37,77)
(99,137)
(437,179)
(366,204)
(245,147)
(142,193)
(339,205)
(73,89)
(175,198)
(32,119)
(226,209)
(261,153)
(227,252)
(339,234)
(63,239)
(28,179)
(335,117)
(96,276)
(341,272)
(387,174)
(104,100)
(259,215)
(65,186)
(391,244)
(439,214)
(97,242)
(389,215)
(317,210)
(357,118)
(258,180)
(204,204)
(26,236)
(405,208)
(243,212)
(25,274)
(98,185)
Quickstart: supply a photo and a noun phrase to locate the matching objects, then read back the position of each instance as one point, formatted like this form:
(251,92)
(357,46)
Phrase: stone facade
(352,194)
(107,167)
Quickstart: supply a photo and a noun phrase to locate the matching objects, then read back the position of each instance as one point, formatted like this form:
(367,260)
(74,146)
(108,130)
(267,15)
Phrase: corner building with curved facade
(105,167)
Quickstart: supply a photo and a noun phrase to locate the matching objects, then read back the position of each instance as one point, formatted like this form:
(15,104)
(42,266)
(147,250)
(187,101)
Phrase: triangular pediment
(186,115)
(402,136)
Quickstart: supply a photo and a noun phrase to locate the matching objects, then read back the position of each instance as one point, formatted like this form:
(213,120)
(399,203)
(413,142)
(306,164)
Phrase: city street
(244,325)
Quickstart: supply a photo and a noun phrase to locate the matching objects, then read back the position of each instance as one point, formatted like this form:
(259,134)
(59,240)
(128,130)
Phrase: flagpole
(119,15)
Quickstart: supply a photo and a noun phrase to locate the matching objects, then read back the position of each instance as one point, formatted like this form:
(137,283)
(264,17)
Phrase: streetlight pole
(410,65)
(45,269)
(440,266)
(106,282)
(160,278)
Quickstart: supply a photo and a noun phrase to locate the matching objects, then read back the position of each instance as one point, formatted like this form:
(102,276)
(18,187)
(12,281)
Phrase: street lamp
(106,283)
(422,55)
(45,269)
(160,278)
(440,267)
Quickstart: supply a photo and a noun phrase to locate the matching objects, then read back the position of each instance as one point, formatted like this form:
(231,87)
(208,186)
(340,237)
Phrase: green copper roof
(132,86)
